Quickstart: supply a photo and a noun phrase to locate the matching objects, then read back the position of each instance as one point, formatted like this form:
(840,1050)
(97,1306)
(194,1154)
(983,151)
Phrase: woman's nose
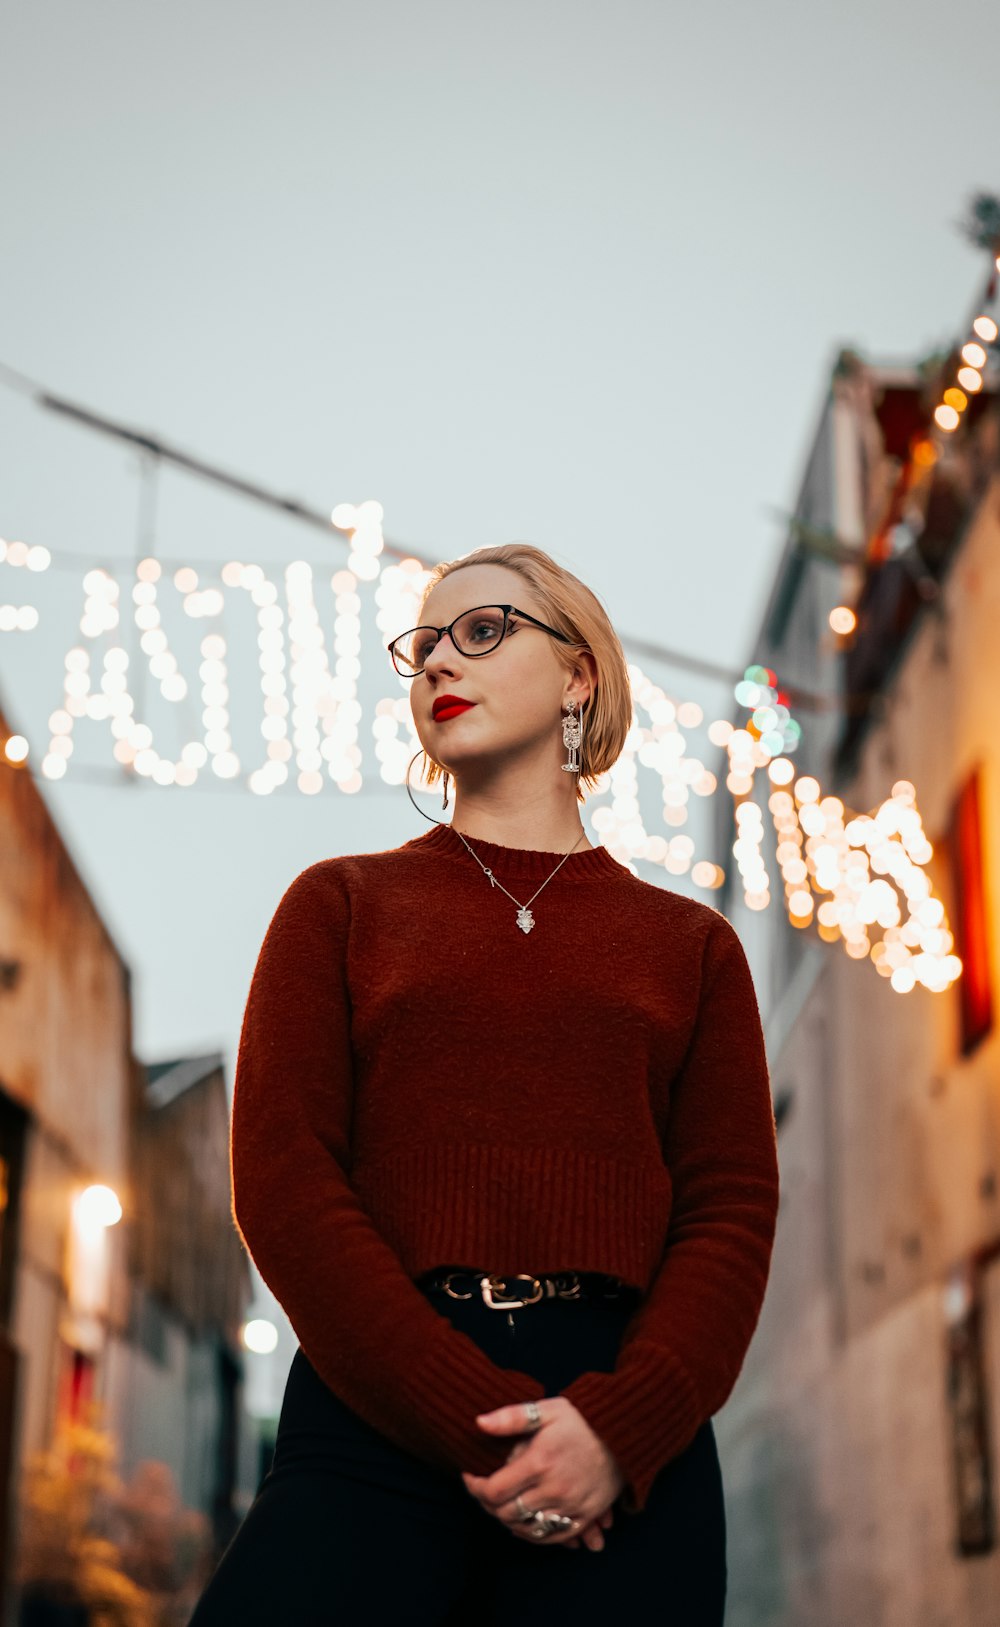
(445,659)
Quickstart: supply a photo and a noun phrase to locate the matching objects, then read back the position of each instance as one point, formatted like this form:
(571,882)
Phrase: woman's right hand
(592,1535)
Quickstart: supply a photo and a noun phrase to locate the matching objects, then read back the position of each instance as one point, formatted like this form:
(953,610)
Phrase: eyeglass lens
(474,633)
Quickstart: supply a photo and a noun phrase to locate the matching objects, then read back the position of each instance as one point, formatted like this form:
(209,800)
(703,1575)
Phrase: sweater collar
(517,863)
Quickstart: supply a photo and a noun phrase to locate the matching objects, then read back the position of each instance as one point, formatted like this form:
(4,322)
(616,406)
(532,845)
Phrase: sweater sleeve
(682,1351)
(367,1329)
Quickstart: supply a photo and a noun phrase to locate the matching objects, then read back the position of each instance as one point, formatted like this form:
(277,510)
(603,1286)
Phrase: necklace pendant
(525,919)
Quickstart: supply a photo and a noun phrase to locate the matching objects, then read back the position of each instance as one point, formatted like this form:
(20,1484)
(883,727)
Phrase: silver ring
(525,1513)
(534,1416)
(545,1524)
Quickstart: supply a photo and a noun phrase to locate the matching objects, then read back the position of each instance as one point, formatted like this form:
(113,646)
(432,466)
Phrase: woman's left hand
(562,1467)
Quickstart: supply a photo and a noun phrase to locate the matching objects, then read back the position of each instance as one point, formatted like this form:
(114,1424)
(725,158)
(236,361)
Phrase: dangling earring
(572,733)
(444,799)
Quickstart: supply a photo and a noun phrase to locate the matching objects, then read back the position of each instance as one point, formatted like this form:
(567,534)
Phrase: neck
(547,830)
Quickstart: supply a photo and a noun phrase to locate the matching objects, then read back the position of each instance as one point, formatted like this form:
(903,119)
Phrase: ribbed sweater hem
(519,1208)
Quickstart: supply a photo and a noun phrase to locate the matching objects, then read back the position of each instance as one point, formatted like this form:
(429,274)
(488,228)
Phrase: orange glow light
(843,620)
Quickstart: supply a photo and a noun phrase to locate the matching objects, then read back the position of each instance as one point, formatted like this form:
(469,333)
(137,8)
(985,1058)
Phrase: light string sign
(309,734)
(865,870)
(311,715)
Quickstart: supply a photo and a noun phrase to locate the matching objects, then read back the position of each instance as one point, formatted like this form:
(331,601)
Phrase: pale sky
(571,273)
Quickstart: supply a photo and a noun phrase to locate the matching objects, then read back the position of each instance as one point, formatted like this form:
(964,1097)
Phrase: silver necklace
(525,919)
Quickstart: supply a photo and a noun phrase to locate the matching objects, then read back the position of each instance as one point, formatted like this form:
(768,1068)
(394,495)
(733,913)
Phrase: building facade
(863,1442)
(144,1315)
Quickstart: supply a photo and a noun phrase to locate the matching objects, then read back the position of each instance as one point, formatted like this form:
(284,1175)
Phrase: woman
(503,1148)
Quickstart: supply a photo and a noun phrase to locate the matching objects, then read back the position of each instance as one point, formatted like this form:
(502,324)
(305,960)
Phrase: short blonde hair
(571,608)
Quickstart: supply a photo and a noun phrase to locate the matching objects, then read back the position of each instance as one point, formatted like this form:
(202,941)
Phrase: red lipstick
(449,706)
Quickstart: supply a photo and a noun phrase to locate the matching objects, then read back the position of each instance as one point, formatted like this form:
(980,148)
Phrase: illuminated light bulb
(946,418)
(689,714)
(956,398)
(806,789)
(16,749)
(781,773)
(185,579)
(974,354)
(344,517)
(924,454)
(720,731)
(903,979)
(38,558)
(97,1207)
(986,328)
(260,1336)
(53,767)
(843,620)
(970,380)
(17,553)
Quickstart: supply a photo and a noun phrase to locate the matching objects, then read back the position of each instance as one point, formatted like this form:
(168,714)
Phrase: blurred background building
(863,1440)
(122,1279)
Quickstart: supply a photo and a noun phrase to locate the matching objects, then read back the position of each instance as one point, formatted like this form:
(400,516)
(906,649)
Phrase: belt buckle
(490,1286)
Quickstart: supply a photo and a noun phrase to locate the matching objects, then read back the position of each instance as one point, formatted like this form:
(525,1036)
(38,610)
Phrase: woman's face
(517,687)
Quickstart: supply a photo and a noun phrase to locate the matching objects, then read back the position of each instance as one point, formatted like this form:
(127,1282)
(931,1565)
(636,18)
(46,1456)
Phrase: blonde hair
(571,608)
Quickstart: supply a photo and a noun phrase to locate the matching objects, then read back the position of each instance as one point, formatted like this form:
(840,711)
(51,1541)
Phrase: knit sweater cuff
(645,1412)
(447,1392)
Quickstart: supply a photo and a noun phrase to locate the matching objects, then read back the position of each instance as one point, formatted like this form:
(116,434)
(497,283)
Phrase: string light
(20,556)
(311,714)
(974,357)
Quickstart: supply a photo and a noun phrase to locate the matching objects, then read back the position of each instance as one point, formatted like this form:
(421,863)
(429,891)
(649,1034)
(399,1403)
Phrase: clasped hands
(561,1466)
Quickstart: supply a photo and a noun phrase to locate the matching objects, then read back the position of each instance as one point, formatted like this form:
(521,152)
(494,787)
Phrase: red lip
(448,706)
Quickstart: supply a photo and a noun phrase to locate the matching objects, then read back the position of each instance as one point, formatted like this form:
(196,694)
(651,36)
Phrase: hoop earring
(572,733)
(406,782)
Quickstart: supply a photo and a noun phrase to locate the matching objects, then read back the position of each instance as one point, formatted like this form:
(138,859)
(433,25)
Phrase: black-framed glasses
(474,632)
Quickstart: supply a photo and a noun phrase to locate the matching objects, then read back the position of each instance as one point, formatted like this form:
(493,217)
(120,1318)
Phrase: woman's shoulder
(680,911)
(344,871)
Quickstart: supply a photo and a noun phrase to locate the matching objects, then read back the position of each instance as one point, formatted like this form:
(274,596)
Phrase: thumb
(505,1421)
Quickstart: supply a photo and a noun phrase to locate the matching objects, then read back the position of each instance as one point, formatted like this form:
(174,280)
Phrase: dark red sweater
(420,1083)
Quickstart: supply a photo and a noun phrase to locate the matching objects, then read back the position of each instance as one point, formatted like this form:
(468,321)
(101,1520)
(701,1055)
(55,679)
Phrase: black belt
(502,1293)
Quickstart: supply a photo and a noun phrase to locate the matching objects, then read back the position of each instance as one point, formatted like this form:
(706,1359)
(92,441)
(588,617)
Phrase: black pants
(348,1529)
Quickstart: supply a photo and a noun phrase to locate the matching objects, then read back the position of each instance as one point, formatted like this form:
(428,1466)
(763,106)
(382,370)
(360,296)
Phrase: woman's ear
(588,671)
